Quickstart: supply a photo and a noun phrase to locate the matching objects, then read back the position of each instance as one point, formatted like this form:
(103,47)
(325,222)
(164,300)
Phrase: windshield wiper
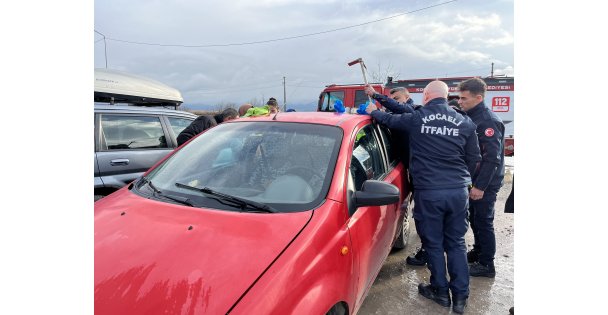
(239,202)
(158,193)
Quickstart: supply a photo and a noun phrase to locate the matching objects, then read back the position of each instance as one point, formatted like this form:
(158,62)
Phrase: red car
(288,214)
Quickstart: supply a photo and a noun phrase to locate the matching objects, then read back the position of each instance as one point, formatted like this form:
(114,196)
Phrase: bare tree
(381,73)
(224,105)
(257,102)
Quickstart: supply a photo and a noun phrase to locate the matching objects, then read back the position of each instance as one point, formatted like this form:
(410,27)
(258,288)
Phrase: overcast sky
(412,39)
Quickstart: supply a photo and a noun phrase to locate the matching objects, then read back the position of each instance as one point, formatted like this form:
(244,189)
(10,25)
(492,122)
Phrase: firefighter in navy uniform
(400,102)
(487,180)
(444,151)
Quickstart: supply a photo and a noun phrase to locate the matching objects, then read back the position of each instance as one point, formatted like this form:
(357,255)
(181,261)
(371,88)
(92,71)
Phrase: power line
(224,90)
(446,74)
(307,86)
(241,87)
(470,70)
(278,39)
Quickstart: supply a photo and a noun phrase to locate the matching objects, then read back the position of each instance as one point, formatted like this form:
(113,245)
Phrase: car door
(396,173)
(372,228)
(129,145)
(98,181)
(176,125)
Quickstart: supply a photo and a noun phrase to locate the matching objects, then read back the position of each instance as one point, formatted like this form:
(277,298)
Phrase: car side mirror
(376,193)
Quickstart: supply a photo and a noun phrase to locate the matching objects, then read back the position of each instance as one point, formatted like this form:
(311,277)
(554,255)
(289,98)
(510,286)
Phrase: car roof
(323,118)
(138,109)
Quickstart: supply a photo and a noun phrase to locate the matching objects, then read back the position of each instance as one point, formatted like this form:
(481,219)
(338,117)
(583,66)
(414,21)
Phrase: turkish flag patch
(489,132)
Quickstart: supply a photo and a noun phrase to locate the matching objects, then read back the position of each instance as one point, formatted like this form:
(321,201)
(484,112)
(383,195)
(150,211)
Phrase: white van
(130,139)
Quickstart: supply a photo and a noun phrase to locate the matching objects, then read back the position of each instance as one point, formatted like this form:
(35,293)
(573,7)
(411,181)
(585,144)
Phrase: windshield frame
(329,132)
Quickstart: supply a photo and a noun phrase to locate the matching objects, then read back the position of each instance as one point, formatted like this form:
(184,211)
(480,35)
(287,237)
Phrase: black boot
(459,304)
(479,270)
(417,259)
(430,292)
(473,255)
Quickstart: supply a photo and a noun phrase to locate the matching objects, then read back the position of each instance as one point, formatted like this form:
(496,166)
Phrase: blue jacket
(443,145)
(491,134)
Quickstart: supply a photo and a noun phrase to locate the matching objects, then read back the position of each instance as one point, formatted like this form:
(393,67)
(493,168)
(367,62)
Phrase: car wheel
(404,234)
(337,309)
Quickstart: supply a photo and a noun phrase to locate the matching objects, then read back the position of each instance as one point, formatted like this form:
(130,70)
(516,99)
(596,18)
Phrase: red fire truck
(499,97)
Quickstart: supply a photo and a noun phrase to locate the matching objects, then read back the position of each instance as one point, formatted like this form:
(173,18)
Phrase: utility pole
(105,47)
(284,97)
(492,73)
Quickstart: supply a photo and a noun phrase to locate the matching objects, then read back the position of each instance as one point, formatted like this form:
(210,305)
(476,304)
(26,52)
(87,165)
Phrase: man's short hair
(398,89)
(229,113)
(475,86)
(454,102)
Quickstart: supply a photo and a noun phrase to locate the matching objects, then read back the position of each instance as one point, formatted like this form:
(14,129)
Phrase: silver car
(131,139)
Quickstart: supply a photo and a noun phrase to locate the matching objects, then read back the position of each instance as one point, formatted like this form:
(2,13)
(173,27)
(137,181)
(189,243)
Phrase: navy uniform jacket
(491,134)
(402,141)
(394,106)
(443,144)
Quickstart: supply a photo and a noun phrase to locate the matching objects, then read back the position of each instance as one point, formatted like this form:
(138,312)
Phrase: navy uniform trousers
(442,217)
(481,216)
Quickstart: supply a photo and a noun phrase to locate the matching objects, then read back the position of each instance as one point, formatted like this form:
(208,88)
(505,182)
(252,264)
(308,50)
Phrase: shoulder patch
(489,132)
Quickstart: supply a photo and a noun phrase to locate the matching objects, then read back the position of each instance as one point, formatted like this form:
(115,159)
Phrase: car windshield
(287,166)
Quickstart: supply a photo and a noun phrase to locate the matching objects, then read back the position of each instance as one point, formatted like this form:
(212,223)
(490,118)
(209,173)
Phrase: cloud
(508,71)
(451,39)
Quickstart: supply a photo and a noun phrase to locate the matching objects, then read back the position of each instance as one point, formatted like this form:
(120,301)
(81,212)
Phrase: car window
(179,124)
(360,97)
(125,132)
(328,99)
(286,165)
(367,161)
(386,138)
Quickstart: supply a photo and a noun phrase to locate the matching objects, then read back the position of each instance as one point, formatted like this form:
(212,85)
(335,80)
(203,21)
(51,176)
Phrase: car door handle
(119,162)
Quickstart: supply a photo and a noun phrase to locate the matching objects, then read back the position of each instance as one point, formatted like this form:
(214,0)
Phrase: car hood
(155,257)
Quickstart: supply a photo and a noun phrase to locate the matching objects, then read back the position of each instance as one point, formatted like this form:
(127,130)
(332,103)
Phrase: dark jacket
(401,138)
(200,124)
(443,144)
(394,106)
(491,135)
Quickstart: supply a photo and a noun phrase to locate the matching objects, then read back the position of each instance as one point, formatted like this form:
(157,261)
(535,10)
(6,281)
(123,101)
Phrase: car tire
(337,309)
(401,241)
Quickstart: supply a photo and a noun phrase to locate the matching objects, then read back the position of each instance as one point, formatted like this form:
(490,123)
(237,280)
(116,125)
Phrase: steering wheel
(307,173)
